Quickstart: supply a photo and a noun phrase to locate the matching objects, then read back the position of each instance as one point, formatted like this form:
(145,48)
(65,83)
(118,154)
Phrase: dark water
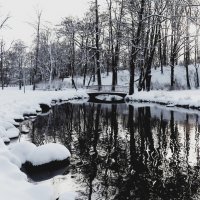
(126,152)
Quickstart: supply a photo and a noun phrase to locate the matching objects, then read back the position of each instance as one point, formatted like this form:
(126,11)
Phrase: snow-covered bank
(182,98)
(14,103)
(14,183)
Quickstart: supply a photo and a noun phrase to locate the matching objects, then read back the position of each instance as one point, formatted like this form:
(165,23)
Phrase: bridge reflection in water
(107,93)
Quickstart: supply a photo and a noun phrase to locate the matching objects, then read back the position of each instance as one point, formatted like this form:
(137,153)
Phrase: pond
(122,151)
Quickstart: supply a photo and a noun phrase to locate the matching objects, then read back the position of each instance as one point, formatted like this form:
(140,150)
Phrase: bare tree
(37,27)
(115,36)
(97,33)
(2,46)
(135,38)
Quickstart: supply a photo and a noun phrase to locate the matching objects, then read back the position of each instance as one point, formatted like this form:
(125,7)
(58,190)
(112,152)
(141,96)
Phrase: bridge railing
(107,88)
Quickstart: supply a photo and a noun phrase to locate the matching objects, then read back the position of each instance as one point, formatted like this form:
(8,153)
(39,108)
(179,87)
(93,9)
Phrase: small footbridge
(107,93)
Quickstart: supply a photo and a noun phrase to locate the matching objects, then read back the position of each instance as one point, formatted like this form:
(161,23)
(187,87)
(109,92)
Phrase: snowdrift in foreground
(12,157)
(47,157)
(14,183)
(27,151)
(22,150)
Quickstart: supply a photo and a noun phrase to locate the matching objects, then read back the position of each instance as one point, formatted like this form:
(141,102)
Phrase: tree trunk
(172,71)
(135,42)
(37,51)
(172,61)
(196,55)
(97,46)
(116,52)
(160,49)
(164,56)
(20,74)
(86,63)
(187,52)
(51,67)
(132,72)
(73,60)
(1,66)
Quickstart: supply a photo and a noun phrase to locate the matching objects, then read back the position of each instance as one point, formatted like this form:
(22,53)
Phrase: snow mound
(22,150)
(14,183)
(48,153)
(8,131)
(7,125)
(3,135)
(4,153)
(12,132)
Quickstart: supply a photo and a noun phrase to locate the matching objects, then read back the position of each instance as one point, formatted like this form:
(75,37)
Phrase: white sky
(23,12)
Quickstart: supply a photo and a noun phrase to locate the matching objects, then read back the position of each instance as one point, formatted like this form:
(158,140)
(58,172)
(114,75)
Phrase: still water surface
(126,151)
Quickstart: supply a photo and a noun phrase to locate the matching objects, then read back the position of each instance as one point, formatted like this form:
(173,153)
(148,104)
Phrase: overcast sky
(23,12)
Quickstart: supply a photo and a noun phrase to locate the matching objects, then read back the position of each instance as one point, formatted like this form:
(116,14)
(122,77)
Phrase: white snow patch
(22,150)
(12,132)
(190,98)
(15,103)
(47,153)
(14,183)
(7,125)
(3,134)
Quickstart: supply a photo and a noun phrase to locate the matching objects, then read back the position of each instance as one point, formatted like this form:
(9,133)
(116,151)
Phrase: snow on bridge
(100,93)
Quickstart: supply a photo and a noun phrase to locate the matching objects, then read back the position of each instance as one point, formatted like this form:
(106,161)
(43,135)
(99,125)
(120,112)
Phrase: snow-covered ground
(178,97)
(15,103)
(158,82)
(123,79)
(14,183)
(184,98)
(162,81)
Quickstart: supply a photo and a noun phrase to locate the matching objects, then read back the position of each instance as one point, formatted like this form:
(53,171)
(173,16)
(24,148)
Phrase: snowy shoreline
(189,99)
(14,105)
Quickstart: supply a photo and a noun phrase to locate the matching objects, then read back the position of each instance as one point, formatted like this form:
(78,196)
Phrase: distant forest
(136,35)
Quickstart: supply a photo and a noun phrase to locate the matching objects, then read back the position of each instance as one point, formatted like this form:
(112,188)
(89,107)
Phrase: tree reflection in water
(122,152)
